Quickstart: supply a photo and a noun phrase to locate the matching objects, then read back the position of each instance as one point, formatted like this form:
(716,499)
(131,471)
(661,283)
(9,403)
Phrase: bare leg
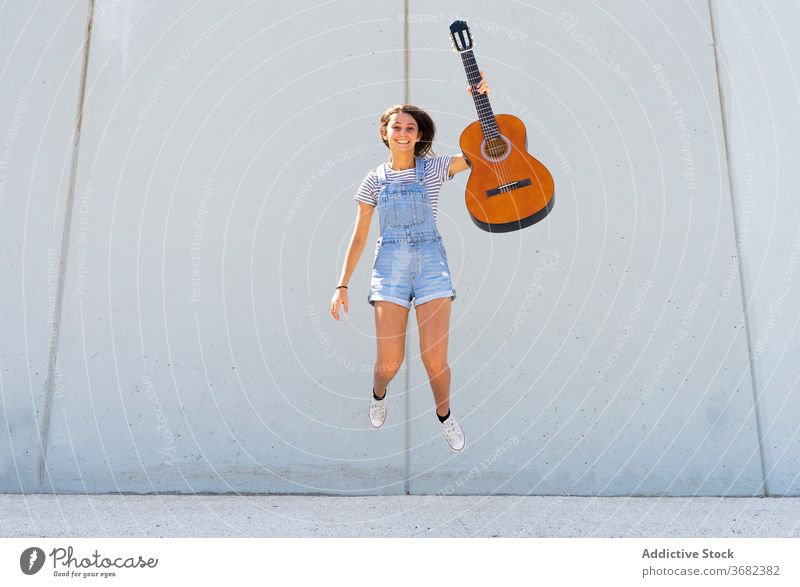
(390,328)
(433,319)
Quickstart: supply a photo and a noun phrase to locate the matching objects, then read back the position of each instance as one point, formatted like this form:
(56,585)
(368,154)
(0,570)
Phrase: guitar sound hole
(496,148)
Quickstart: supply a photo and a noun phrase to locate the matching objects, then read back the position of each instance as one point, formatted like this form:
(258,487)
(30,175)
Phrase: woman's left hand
(482,87)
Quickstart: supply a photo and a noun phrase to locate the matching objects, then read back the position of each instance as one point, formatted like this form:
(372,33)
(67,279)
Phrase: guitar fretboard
(482,105)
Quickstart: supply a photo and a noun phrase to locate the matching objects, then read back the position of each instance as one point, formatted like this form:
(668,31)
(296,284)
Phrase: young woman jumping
(410,264)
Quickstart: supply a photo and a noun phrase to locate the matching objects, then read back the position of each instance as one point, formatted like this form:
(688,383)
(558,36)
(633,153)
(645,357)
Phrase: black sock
(445,417)
(379,398)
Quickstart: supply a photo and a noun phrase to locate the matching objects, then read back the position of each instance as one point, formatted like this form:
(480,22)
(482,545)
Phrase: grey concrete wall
(759,52)
(628,344)
(41,67)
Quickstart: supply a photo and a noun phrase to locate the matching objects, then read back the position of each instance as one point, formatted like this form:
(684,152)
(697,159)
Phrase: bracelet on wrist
(341,286)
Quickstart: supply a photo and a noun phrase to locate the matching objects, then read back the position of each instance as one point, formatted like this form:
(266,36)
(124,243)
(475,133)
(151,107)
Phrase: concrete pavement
(394,516)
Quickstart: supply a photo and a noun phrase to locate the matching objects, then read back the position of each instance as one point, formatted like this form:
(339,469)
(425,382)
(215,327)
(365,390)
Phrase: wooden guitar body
(508,189)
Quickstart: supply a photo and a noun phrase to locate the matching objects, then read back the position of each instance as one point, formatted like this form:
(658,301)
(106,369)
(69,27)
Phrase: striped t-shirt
(436,173)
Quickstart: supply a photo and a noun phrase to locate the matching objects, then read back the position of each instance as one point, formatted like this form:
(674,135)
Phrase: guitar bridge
(508,187)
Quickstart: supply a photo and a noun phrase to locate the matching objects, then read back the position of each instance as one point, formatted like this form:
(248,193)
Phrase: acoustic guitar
(508,189)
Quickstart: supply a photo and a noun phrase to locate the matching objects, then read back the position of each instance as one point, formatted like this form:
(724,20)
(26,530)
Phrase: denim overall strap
(381,171)
(420,170)
(426,230)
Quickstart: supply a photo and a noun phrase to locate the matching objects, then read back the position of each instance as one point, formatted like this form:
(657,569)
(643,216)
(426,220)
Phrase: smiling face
(401,132)
(407,129)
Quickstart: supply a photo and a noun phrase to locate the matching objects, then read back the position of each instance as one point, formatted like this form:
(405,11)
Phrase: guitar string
(501,168)
(501,171)
(473,74)
(501,165)
(505,173)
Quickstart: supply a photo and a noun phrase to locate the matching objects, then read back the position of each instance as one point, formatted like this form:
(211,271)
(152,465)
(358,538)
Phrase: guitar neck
(482,105)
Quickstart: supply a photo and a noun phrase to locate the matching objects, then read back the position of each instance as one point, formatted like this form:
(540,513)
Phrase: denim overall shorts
(410,259)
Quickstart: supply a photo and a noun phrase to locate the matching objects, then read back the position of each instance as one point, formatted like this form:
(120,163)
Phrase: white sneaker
(454,434)
(377,411)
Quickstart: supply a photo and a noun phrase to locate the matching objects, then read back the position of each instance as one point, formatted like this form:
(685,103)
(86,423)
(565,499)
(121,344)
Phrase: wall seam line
(739,255)
(65,238)
(407,394)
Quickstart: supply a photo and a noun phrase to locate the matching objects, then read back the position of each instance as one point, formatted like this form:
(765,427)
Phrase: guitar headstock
(460,36)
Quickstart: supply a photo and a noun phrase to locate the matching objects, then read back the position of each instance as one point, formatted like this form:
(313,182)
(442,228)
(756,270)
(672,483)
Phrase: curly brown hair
(424,123)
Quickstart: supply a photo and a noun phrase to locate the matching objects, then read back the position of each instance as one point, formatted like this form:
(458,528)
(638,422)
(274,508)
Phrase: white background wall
(640,340)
